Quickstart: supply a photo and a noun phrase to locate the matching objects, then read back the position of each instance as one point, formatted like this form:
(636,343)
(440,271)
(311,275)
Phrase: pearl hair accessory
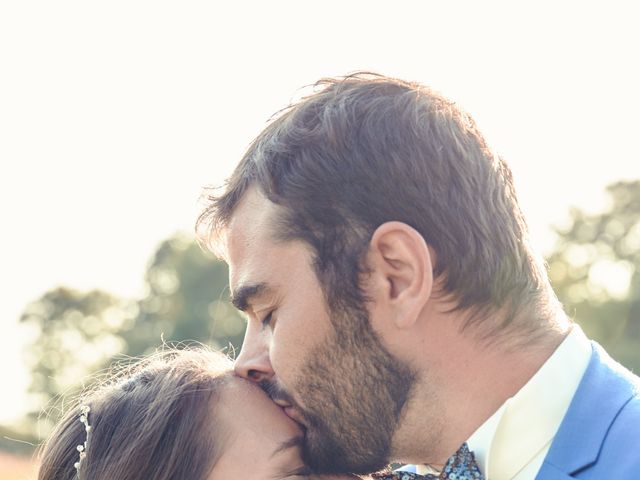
(82,449)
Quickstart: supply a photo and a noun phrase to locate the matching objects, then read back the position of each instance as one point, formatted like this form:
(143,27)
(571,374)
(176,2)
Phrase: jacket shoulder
(621,446)
(619,455)
(600,433)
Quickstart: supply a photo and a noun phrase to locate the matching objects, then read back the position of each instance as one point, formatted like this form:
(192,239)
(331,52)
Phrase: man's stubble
(354,392)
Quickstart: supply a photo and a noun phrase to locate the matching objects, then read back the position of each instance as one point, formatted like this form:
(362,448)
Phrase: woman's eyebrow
(293,442)
(301,472)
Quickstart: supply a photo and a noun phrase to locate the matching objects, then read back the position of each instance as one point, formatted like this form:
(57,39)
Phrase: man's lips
(293,414)
(290,411)
(281,403)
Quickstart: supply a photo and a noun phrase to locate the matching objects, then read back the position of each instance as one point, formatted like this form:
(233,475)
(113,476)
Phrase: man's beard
(354,392)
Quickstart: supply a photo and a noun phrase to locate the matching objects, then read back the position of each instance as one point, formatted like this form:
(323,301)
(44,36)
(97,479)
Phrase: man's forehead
(249,237)
(253,221)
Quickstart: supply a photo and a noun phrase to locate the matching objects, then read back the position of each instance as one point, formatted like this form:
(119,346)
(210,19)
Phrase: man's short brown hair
(368,149)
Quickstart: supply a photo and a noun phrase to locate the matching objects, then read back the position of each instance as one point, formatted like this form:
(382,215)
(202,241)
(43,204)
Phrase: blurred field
(16,467)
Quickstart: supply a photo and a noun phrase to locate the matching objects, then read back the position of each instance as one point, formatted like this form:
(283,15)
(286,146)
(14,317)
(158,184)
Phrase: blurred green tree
(79,333)
(185,300)
(76,332)
(595,270)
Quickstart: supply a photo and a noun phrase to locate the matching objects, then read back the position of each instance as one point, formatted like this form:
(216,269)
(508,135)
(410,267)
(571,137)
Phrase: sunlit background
(113,115)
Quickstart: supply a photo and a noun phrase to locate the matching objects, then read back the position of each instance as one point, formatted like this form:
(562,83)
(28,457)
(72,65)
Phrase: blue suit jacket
(599,437)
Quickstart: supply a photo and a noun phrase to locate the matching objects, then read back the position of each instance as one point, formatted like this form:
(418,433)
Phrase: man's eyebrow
(243,295)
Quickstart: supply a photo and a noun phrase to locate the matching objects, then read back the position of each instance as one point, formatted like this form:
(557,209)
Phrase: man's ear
(401,267)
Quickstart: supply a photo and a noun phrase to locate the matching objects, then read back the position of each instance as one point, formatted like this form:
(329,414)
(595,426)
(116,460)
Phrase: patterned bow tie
(461,466)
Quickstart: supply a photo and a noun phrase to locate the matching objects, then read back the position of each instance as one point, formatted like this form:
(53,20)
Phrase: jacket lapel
(605,388)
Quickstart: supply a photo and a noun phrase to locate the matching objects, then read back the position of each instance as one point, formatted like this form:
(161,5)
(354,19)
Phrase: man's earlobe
(403,263)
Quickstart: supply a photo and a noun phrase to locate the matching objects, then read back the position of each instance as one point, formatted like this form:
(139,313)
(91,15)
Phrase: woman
(176,415)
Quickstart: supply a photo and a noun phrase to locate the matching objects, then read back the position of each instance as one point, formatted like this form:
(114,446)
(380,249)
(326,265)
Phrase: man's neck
(463,382)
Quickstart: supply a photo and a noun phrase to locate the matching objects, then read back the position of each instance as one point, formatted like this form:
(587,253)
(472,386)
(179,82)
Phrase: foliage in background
(595,271)
(80,333)
(77,331)
(186,300)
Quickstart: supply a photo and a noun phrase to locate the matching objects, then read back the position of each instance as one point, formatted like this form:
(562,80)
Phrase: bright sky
(114,114)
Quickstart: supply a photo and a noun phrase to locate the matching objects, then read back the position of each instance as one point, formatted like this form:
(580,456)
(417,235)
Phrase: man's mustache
(276,392)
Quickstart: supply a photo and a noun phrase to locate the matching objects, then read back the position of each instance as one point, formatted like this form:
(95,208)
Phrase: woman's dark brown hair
(151,421)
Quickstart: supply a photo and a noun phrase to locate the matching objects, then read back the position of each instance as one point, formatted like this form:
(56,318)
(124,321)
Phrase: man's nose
(253,363)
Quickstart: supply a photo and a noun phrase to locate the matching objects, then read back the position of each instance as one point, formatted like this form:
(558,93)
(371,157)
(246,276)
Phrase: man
(395,308)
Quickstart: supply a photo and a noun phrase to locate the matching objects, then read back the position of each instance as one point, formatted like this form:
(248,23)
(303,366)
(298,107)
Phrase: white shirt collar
(520,432)
(526,423)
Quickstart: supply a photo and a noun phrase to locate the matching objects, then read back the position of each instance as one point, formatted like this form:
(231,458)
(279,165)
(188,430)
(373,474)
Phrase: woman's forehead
(237,393)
